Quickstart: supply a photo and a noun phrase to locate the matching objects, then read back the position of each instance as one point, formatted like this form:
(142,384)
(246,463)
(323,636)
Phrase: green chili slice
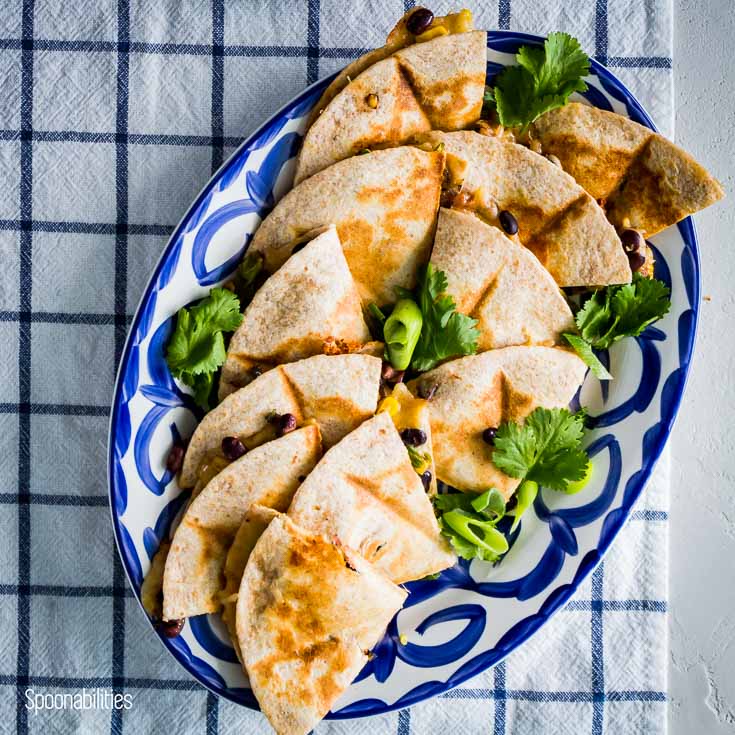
(401,331)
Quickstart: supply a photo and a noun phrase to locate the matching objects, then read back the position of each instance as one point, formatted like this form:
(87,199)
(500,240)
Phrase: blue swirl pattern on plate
(468,618)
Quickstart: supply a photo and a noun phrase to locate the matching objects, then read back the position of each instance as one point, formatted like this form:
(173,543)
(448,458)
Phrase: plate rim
(688,234)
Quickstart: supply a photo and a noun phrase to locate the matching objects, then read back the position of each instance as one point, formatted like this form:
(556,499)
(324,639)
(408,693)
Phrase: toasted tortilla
(647,182)
(513,297)
(307,614)
(256,520)
(398,38)
(366,493)
(384,206)
(426,86)
(310,300)
(269,476)
(338,392)
(558,221)
(482,391)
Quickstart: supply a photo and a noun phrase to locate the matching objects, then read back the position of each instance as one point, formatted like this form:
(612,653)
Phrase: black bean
(427,390)
(171,628)
(390,374)
(488,436)
(175,458)
(233,448)
(447,196)
(255,372)
(632,240)
(419,21)
(413,437)
(285,424)
(508,222)
(426,479)
(636,260)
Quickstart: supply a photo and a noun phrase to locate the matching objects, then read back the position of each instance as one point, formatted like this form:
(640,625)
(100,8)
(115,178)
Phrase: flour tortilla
(256,520)
(648,182)
(307,614)
(309,301)
(557,220)
(336,391)
(366,493)
(438,84)
(513,297)
(269,476)
(481,391)
(384,206)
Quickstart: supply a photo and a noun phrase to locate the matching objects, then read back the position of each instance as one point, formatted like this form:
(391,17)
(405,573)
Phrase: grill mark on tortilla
(537,244)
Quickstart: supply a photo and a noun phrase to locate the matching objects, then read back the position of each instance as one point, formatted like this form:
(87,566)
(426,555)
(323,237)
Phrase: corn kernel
(372,101)
(463,21)
(433,32)
(403,638)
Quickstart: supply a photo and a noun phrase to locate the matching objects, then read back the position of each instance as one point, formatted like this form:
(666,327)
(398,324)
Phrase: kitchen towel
(113,114)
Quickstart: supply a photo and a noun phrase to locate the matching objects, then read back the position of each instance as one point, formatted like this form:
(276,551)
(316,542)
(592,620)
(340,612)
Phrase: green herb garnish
(545,449)
(543,81)
(469,521)
(445,332)
(401,332)
(616,312)
(248,277)
(196,349)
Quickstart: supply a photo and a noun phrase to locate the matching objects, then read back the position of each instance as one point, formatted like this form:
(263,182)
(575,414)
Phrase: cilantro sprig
(616,312)
(545,449)
(543,80)
(445,332)
(196,349)
(469,522)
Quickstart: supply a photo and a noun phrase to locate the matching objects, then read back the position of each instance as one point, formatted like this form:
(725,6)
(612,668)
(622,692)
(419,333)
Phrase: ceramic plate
(474,614)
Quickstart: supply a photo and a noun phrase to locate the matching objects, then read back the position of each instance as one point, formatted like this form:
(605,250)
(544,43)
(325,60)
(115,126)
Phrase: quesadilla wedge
(513,297)
(311,299)
(647,183)
(308,612)
(338,392)
(426,86)
(482,391)
(556,219)
(399,37)
(366,493)
(256,520)
(269,476)
(384,206)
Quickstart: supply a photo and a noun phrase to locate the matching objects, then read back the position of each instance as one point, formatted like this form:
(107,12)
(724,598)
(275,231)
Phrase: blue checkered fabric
(113,114)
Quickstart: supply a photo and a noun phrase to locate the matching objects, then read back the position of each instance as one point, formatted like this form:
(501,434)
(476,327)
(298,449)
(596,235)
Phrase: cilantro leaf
(584,350)
(616,312)
(543,80)
(196,349)
(545,449)
(445,332)
(558,68)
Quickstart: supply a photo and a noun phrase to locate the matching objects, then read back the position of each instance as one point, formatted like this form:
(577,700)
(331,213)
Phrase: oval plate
(474,614)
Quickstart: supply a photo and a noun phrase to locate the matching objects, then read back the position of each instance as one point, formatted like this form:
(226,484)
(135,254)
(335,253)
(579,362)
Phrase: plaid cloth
(113,115)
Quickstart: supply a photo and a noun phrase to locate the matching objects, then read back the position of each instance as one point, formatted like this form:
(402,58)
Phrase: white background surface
(702,583)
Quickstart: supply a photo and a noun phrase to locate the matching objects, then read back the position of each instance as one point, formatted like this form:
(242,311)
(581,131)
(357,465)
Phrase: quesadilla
(399,37)
(337,392)
(556,219)
(482,391)
(366,493)
(513,297)
(384,206)
(434,85)
(269,476)
(256,520)
(645,181)
(308,612)
(308,301)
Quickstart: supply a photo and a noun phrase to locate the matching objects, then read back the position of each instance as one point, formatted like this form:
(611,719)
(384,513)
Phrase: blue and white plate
(475,614)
